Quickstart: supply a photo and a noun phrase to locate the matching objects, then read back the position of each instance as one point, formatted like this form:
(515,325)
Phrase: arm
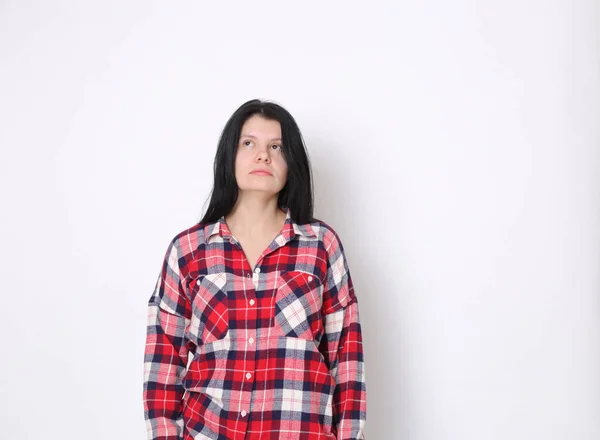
(166,353)
(342,346)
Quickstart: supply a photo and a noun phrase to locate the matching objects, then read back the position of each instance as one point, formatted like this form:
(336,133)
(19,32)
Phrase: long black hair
(297,194)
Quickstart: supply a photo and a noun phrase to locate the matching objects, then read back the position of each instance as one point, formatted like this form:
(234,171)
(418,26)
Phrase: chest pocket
(298,302)
(210,315)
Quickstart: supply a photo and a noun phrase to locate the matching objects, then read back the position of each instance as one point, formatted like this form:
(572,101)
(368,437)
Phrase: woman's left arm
(342,345)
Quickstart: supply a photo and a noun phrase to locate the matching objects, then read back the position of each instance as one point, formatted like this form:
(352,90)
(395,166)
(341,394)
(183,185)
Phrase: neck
(253,216)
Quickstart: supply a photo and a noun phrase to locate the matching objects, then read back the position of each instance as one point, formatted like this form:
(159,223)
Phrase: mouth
(261,173)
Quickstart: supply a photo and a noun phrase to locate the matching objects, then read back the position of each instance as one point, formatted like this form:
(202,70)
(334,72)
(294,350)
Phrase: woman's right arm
(166,352)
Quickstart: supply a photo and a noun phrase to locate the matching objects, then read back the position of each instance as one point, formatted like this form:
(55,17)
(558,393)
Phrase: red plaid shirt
(270,352)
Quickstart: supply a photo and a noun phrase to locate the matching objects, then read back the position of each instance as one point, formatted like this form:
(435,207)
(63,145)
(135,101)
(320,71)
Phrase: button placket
(249,346)
(256,277)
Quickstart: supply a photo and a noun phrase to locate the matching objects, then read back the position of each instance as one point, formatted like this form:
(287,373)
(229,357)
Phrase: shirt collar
(289,231)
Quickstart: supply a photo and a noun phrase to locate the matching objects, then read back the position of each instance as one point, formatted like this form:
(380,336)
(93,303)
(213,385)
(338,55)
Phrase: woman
(253,326)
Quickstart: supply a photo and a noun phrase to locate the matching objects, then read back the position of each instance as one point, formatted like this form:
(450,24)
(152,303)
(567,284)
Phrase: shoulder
(327,234)
(187,241)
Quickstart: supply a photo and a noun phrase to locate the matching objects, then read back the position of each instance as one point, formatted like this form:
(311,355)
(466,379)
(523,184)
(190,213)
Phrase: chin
(259,186)
(262,189)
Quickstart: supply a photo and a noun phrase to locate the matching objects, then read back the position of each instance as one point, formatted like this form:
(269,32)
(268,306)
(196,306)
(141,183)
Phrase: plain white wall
(455,148)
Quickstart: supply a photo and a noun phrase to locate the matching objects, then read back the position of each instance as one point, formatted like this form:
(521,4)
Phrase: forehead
(258,126)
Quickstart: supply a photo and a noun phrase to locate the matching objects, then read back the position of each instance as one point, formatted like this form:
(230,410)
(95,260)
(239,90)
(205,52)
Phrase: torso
(253,247)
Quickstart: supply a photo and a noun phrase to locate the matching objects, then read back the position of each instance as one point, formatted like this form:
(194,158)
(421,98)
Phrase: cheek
(283,169)
(240,162)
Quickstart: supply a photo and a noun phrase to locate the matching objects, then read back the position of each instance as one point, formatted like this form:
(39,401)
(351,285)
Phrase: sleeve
(166,353)
(342,345)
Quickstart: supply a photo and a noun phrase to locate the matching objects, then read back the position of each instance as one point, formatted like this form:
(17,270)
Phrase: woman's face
(259,163)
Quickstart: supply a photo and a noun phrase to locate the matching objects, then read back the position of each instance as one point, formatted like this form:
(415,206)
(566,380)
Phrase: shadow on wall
(338,203)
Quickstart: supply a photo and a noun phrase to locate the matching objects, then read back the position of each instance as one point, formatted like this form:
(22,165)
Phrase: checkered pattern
(270,352)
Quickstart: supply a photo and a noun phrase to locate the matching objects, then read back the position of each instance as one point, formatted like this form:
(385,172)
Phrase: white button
(257,270)
(198,282)
(251,340)
(248,375)
(309,278)
(243,413)
(251,302)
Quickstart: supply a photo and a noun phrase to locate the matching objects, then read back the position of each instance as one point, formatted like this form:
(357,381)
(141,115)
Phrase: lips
(261,172)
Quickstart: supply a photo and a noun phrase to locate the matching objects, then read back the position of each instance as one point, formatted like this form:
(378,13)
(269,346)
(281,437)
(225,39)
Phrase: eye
(247,143)
(277,146)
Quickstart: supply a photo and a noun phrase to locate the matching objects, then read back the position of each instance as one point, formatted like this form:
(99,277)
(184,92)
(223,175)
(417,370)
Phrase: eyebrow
(254,137)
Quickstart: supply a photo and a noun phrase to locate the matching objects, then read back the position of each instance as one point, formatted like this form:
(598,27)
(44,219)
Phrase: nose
(263,155)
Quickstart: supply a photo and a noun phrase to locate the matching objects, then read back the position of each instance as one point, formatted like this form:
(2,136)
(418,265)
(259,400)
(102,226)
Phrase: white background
(456,151)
